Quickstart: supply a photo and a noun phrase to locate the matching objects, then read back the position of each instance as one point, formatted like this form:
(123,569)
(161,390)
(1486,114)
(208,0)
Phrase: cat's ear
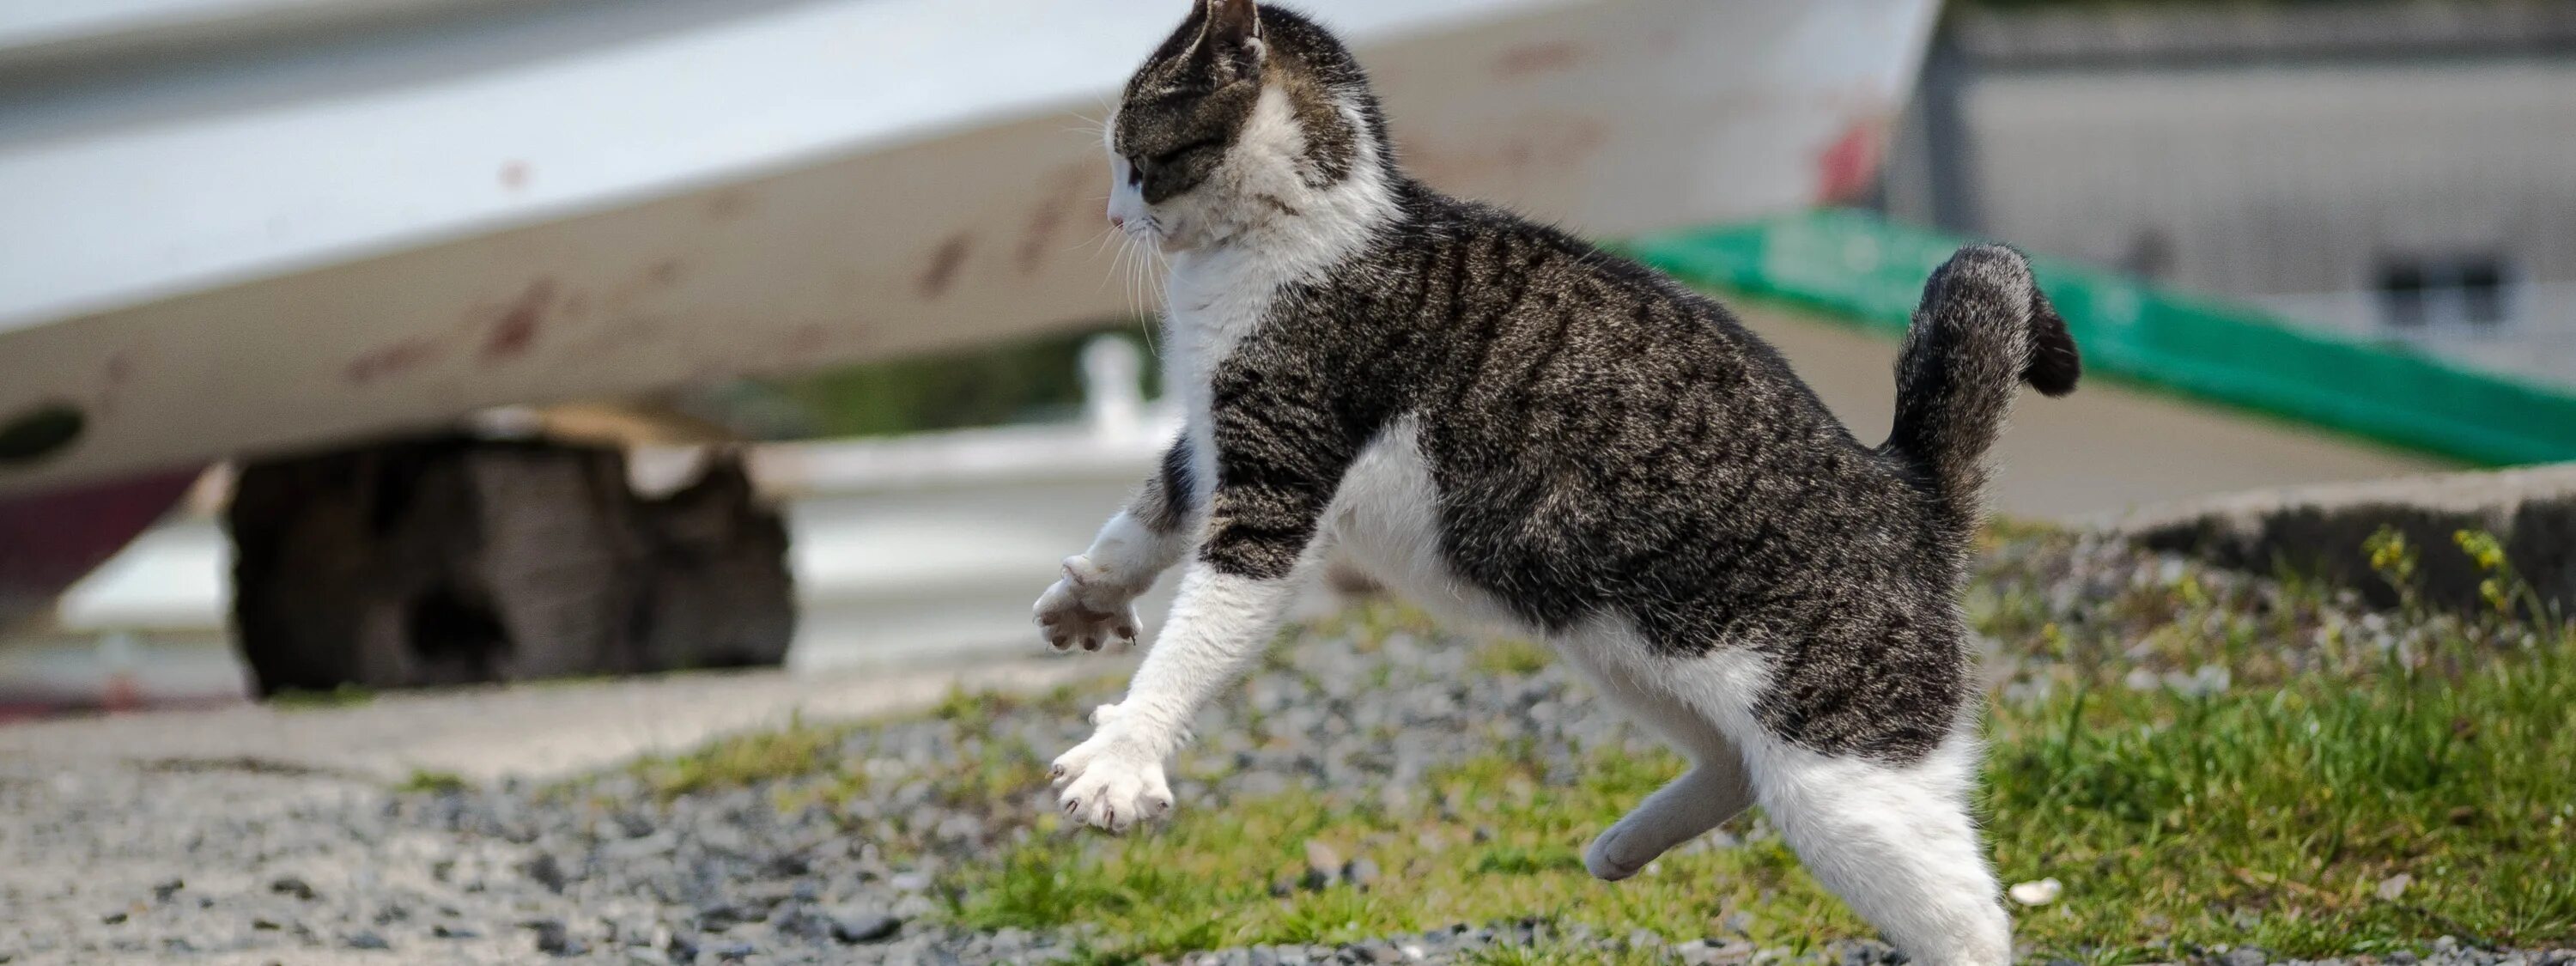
(1234,31)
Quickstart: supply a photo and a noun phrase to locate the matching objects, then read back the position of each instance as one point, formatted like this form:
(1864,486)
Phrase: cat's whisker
(1097,239)
(1117,265)
(1148,255)
(1135,276)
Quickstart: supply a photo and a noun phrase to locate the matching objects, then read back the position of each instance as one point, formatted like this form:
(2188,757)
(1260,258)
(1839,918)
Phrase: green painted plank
(1870,271)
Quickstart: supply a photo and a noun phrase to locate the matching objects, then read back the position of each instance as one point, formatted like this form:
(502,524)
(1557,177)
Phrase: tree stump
(455,560)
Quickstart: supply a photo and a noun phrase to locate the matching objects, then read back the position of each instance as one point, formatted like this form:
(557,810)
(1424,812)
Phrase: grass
(428,782)
(2177,823)
(2346,750)
(1502,846)
(2271,817)
(1513,657)
(2275,812)
(825,765)
(797,750)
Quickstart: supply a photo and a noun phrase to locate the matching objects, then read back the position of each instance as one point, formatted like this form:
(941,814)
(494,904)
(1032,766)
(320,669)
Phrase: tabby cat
(1509,425)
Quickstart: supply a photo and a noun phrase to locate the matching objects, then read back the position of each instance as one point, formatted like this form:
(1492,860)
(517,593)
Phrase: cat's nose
(1117,221)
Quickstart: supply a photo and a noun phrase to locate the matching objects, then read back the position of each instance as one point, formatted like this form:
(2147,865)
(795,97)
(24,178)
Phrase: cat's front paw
(1111,783)
(1086,609)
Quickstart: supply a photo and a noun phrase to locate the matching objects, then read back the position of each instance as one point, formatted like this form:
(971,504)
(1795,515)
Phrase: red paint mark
(1531,60)
(942,269)
(391,359)
(514,175)
(728,205)
(1847,168)
(118,373)
(516,329)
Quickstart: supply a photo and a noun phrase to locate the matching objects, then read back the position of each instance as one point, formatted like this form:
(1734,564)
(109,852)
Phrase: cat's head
(1248,117)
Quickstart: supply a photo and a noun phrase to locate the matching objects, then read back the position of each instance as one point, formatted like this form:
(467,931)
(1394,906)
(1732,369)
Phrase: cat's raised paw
(1111,784)
(1085,609)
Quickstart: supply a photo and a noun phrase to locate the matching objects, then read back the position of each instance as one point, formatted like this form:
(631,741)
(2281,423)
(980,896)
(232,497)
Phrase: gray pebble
(554,939)
(546,872)
(1362,872)
(865,927)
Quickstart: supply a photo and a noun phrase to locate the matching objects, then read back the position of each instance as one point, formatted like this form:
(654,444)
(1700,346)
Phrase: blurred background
(380,343)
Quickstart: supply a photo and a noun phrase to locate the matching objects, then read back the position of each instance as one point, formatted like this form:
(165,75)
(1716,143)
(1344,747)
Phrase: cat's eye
(1136,167)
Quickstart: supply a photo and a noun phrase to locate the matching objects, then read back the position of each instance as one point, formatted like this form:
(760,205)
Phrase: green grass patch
(1368,624)
(990,768)
(1513,657)
(427,782)
(2269,816)
(2274,817)
(795,751)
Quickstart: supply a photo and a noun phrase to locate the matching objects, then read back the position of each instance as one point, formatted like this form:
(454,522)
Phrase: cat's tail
(1983,328)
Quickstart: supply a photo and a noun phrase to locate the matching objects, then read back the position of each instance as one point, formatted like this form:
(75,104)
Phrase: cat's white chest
(1212,301)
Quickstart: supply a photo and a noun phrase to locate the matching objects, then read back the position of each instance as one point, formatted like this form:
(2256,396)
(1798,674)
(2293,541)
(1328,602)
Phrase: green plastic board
(1870,271)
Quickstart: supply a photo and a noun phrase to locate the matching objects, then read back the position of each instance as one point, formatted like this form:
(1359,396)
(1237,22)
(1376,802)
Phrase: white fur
(1230,254)
(1385,517)
(1896,843)
(1219,624)
(1094,605)
(1229,259)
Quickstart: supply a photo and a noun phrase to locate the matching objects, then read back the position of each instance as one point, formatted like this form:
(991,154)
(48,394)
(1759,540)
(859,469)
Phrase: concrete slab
(533,732)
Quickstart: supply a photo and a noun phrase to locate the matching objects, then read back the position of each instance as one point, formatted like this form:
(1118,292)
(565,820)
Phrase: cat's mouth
(1147,229)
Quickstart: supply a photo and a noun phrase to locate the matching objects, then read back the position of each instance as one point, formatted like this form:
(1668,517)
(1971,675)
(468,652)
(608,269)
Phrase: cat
(1507,424)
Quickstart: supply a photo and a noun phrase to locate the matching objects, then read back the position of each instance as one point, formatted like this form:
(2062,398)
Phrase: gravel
(235,862)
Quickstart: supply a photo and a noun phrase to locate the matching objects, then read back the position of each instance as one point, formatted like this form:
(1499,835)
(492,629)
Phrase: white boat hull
(219,260)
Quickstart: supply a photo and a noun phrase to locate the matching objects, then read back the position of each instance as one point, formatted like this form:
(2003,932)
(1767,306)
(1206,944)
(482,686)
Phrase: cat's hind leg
(1716,787)
(1895,842)
(1703,798)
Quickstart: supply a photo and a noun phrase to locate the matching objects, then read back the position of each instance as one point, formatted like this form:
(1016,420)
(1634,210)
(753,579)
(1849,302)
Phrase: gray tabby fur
(1502,417)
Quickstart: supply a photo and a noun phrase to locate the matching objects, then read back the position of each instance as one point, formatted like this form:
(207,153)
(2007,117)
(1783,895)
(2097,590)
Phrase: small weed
(1513,657)
(427,782)
(974,709)
(1520,860)
(796,750)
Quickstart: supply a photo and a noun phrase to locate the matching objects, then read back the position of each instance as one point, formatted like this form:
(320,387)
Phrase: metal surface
(265,244)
